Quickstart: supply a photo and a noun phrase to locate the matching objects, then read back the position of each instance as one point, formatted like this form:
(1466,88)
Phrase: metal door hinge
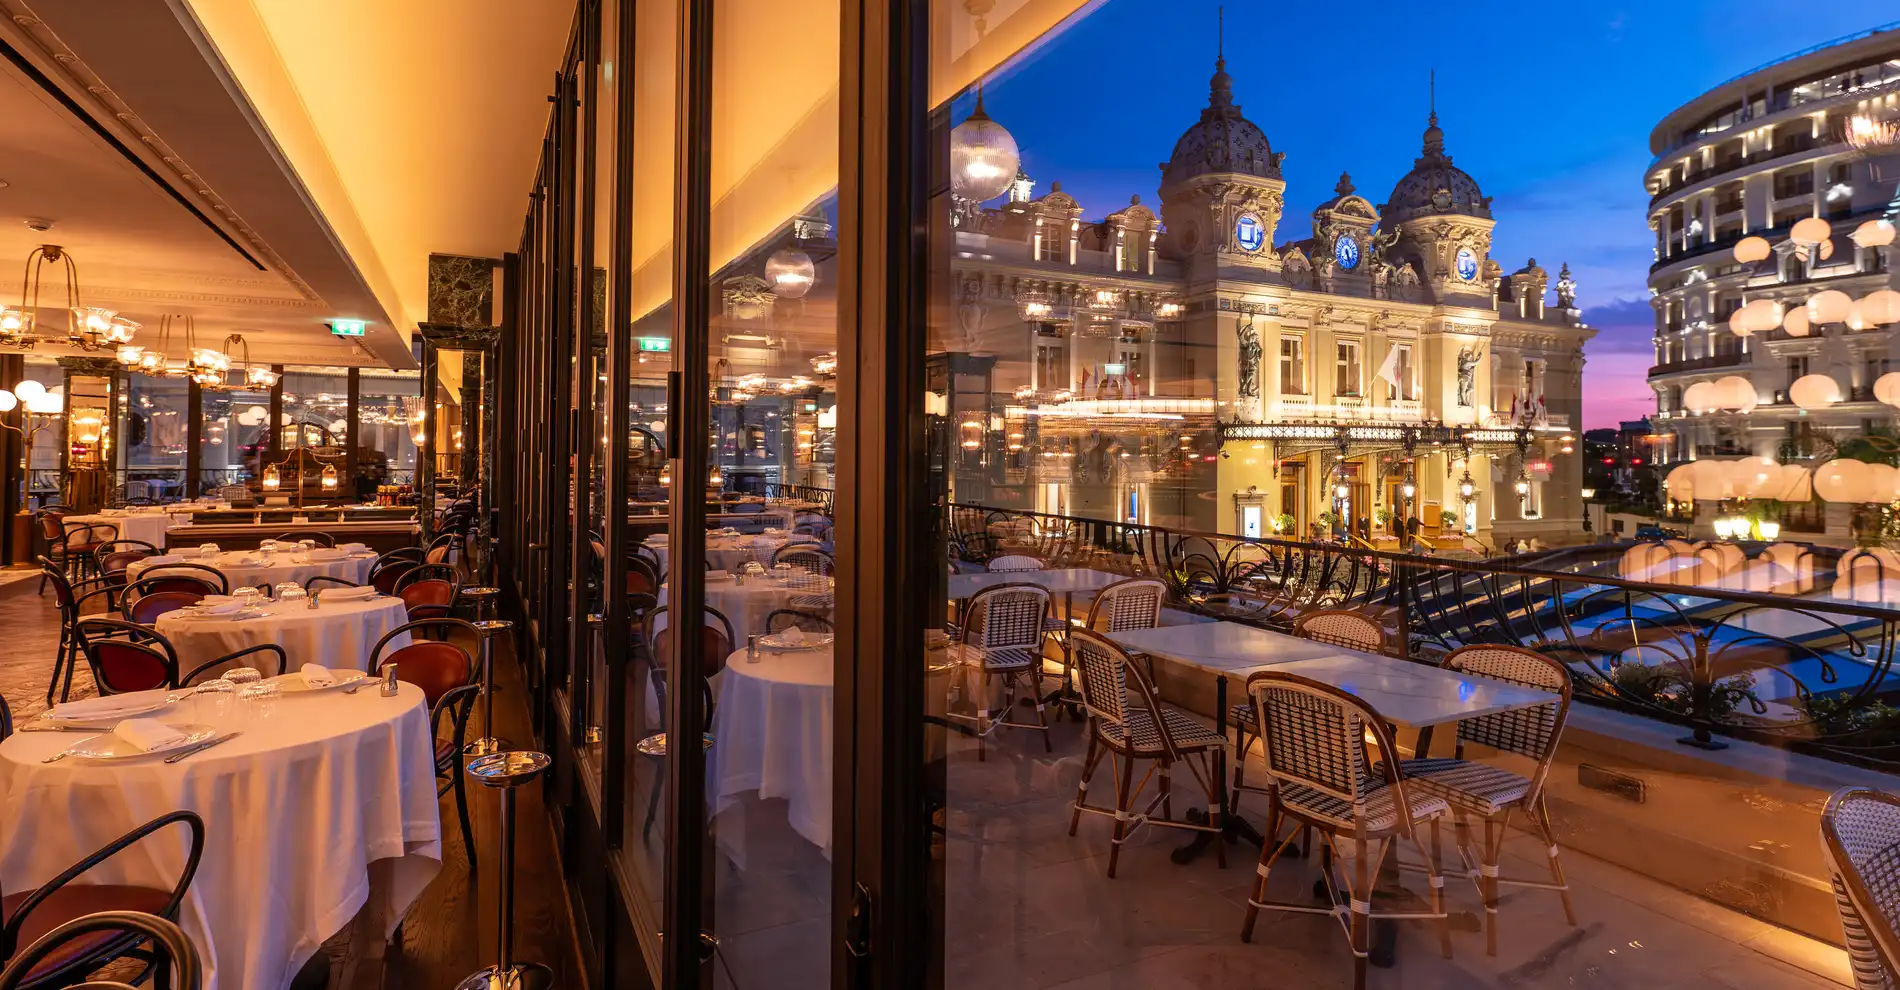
(857,939)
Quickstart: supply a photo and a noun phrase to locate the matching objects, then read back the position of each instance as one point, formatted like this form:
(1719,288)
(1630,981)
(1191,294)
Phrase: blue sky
(1548,106)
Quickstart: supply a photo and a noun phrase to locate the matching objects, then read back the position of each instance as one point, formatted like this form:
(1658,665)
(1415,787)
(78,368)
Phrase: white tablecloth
(746,606)
(334,634)
(772,734)
(295,810)
(147,526)
(730,553)
(247,569)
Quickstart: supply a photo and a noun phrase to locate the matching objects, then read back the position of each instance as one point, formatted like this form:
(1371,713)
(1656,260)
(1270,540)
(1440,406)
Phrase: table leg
(1233,827)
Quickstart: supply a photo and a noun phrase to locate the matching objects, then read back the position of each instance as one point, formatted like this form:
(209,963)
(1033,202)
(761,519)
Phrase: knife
(201,747)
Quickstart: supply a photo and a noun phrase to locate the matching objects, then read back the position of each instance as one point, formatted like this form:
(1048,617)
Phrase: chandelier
(90,328)
(212,368)
(208,367)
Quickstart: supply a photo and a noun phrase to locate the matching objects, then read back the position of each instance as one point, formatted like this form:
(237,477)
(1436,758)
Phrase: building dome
(1222,141)
(1435,186)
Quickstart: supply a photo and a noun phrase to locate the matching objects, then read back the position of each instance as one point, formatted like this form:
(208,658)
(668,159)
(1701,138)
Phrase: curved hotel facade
(1754,156)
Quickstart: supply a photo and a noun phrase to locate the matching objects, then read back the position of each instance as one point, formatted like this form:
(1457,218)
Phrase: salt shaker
(752,648)
(311,602)
(389,681)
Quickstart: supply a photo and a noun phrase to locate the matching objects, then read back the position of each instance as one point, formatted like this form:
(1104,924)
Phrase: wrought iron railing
(805,493)
(1788,646)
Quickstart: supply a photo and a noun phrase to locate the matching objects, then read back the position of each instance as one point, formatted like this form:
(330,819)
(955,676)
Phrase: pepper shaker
(390,687)
(752,648)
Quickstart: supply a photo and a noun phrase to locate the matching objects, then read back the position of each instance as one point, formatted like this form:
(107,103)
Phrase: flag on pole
(1389,368)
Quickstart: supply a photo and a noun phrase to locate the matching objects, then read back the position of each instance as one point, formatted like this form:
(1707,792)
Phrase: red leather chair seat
(128,668)
(435,667)
(76,900)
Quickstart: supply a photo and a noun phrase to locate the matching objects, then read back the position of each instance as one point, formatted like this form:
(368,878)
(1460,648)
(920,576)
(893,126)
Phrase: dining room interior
(387,381)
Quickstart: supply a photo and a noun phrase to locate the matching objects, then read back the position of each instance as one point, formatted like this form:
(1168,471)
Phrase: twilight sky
(1548,106)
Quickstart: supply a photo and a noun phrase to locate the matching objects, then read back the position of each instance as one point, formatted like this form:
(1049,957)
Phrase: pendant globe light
(983,155)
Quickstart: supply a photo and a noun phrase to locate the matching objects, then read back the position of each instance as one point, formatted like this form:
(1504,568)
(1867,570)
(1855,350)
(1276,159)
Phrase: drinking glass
(214,700)
(258,702)
(243,677)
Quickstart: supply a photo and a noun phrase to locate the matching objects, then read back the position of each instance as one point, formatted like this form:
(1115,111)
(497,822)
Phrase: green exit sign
(661,344)
(349,328)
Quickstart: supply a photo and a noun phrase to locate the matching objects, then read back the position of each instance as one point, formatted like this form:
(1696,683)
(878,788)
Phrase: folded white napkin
(226,607)
(792,637)
(325,555)
(109,705)
(334,594)
(207,549)
(316,675)
(353,547)
(147,734)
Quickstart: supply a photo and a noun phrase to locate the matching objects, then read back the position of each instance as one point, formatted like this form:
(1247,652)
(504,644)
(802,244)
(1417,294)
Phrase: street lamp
(1467,489)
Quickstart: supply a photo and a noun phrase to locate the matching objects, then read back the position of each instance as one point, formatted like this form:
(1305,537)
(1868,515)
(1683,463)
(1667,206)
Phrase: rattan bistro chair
(1128,723)
(1492,794)
(1860,836)
(1320,777)
(1338,627)
(1131,604)
(1001,639)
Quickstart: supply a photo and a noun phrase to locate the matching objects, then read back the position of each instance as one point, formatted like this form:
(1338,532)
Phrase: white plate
(143,708)
(293,682)
(108,748)
(812,641)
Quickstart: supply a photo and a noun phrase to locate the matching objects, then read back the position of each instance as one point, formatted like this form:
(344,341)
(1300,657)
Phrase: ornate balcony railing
(1786,645)
(806,493)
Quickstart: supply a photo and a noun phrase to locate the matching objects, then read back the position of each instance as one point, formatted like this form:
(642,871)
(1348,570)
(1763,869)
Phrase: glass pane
(235,442)
(156,426)
(389,427)
(649,140)
(44,483)
(313,433)
(773,299)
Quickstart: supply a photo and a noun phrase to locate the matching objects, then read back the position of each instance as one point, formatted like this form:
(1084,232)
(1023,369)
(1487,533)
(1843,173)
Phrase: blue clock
(1467,264)
(1248,231)
(1346,252)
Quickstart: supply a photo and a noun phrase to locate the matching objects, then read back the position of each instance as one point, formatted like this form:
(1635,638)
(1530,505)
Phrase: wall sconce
(1523,484)
(666,477)
(272,480)
(715,478)
(329,477)
(1340,491)
(1467,489)
(1409,490)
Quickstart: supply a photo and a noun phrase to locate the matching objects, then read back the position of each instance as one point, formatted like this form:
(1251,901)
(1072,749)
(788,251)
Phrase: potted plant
(1284,522)
(1383,516)
(1448,519)
(1329,520)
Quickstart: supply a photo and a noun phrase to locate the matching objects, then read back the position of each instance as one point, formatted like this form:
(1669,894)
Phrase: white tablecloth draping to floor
(772,734)
(295,810)
(335,634)
(147,526)
(248,569)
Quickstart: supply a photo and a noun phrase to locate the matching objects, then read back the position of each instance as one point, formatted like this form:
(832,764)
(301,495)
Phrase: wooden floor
(450,931)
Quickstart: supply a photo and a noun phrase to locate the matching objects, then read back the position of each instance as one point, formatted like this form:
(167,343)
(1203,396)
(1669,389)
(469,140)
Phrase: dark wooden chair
(181,959)
(791,618)
(31,915)
(431,591)
(71,597)
(716,631)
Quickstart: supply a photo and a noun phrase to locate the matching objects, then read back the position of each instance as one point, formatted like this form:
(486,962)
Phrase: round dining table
(336,633)
(748,605)
(115,524)
(730,553)
(772,732)
(251,568)
(314,789)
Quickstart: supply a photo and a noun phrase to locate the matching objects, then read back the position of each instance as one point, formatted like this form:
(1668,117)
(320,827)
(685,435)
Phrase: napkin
(220,608)
(353,547)
(316,675)
(325,555)
(110,705)
(215,599)
(334,594)
(147,734)
(792,637)
(207,549)
(718,575)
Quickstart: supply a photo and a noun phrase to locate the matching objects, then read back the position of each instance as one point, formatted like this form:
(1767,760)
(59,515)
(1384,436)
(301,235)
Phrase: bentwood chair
(127,656)
(1860,837)
(145,609)
(318,537)
(6,719)
(1013,562)
(445,672)
(72,598)
(31,915)
(1337,627)
(388,570)
(182,969)
(1491,794)
(68,545)
(1131,604)
(1319,777)
(180,577)
(790,618)
(431,591)
(1000,641)
(1129,724)
(716,645)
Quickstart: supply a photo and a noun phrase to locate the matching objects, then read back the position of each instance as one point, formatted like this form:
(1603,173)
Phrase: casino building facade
(1179,365)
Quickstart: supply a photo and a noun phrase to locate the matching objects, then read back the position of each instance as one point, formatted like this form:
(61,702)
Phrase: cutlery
(56,757)
(201,747)
(50,726)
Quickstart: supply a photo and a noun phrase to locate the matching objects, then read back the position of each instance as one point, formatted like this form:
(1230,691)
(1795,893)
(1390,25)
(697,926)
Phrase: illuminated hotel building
(1752,157)
(1179,367)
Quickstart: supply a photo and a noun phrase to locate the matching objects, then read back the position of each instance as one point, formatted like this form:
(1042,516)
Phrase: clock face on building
(1467,264)
(1346,252)
(1248,231)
